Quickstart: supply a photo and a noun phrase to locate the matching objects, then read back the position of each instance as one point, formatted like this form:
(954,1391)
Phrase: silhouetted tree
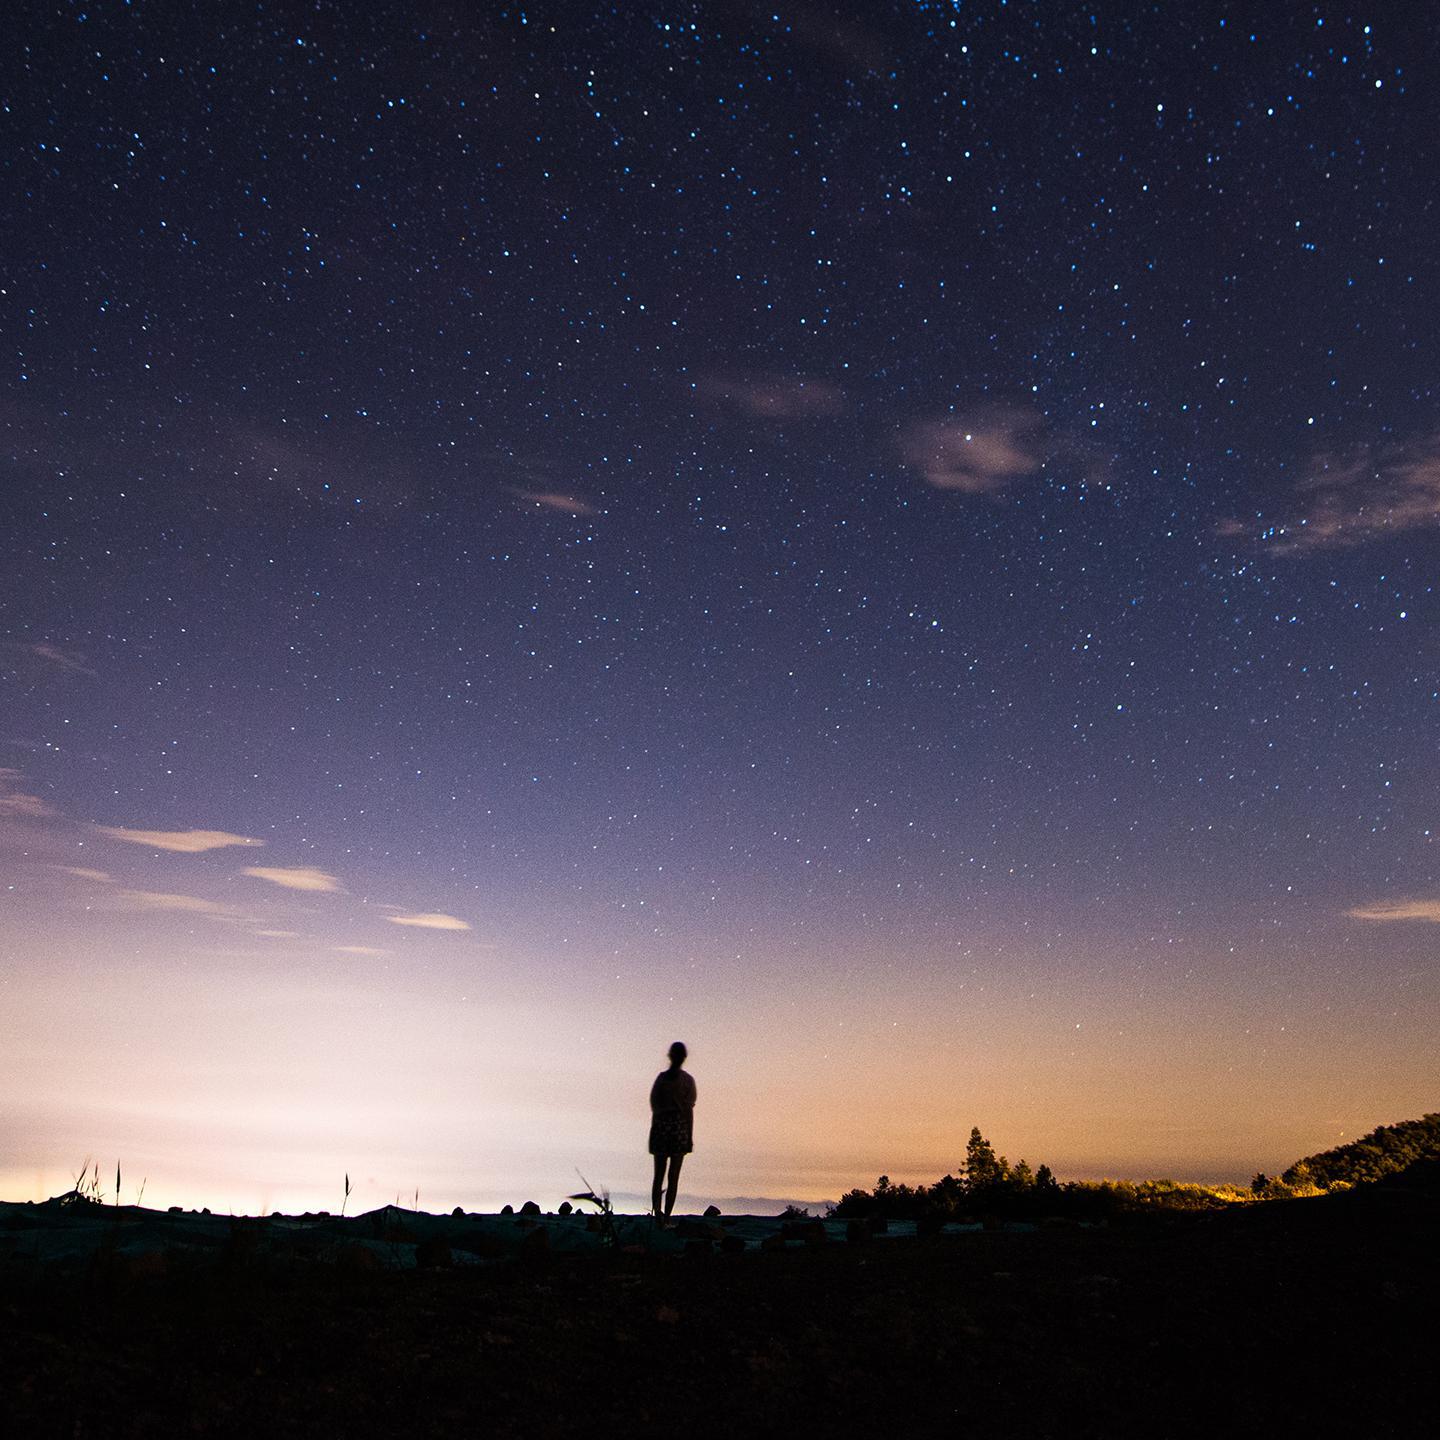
(983,1168)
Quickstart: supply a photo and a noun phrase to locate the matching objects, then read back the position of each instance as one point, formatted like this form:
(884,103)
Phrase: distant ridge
(1386,1150)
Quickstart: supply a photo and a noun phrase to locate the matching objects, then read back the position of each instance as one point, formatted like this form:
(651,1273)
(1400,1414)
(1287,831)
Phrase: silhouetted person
(672,1134)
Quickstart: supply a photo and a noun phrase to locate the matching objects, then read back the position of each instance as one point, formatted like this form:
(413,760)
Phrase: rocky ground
(1307,1315)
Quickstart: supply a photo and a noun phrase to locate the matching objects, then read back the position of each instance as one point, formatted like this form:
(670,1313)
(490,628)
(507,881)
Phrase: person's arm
(655,1095)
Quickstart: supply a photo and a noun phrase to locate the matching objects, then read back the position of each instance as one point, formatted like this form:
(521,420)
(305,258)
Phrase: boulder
(356,1259)
(433,1254)
(486,1246)
(698,1230)
(712,1212)
(812,1232)
(529,1208)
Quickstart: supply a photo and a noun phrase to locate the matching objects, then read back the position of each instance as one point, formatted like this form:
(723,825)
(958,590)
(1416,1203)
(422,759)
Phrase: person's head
(678,1052)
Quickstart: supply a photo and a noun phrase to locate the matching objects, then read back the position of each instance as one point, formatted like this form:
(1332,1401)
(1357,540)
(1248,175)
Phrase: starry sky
(895,543)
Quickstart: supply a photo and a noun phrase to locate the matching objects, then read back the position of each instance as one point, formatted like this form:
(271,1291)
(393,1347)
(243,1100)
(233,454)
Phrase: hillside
(1386,1150)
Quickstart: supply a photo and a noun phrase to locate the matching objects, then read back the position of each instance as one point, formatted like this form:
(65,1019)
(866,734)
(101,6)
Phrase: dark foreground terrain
(1301,1316)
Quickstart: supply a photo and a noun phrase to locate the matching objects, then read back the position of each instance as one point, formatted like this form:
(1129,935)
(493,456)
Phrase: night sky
(899,550)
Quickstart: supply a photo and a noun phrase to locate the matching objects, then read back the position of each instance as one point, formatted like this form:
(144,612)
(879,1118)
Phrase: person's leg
(670,1190)
(656,1184)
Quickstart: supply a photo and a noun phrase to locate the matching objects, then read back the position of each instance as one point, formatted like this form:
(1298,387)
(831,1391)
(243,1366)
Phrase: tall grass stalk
(600,1199)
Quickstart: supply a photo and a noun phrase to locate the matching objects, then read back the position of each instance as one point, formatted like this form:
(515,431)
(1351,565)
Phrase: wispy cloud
(1347,500)
(1398,910)
(429,921)
(278,934)
(844,43)
(358,950)
(187,842)
(555,500)
(288,464)
(82,872)
(295,877)
(155,900)
(981,455)
(14,801)
(775,397)
(54,655)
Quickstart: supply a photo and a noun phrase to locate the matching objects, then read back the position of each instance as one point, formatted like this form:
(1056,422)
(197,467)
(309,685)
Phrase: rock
(433,1254)
(732,1245)
(698,1230)
(565,1208)
(712,1212)
(388,1224)
(812,1232)
(529,1208)
(355,1259)
(110,1267)
(507,1209)
(176,1210)
(458,1213)
(487,1247)
(773,1242)
(536,1244)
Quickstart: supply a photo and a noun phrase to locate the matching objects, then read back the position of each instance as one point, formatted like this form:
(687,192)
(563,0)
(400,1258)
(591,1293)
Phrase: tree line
(988,1185)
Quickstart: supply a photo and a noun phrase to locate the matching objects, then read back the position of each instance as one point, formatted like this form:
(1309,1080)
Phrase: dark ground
(1303,1316)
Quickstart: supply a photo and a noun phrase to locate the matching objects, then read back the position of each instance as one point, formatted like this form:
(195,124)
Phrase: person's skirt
(671,1133)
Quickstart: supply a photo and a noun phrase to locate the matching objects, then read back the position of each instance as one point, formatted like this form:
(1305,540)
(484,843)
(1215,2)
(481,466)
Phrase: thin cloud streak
(184,842)
(776,397)
(1383,910)
(1351,500)
(82,872)
(295,877)
(164,902)
(555,500)
(43,650)
(18,802)
(430,920)
(358,950)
